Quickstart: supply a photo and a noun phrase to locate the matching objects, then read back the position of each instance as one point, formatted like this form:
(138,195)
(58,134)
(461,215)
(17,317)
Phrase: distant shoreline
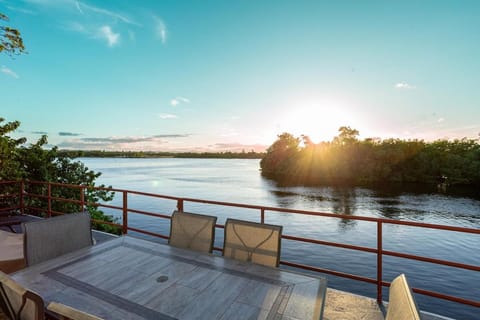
(149,154)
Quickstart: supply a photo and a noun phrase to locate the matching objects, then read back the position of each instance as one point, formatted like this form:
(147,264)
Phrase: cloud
(21,10)
(82,8)
(69,134)
(106,33)
(160,29)
(105,12)
(117,140)
(9,72)
(151,143)
(39,132)
(179,100)
(171,135)
(238,147)
(404,85)
(440,120)
(167,116)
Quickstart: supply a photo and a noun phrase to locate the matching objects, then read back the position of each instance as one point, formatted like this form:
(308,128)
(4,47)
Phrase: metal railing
(24,198)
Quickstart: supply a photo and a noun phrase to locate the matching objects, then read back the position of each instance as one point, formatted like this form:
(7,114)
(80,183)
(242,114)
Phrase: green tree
(36,163)
(280,156)
(10,39)
(348,161)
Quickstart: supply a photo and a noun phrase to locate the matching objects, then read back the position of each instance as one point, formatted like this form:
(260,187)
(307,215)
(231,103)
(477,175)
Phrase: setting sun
(318,120)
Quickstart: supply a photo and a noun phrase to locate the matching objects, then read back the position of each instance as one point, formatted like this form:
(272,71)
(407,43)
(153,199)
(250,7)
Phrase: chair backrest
(18,302)
(50,238)
(192,231)
(401,305)
(61,311)
(11,252)
(254,242)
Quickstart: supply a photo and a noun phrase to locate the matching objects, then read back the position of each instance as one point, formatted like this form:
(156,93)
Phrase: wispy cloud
(105,32)
(81,6)
(21,10)
(117,139)
(171,135)
(160,29)
(179,100)
(68,134)
(238,147)
(39,132)
(9,72)
(404,85)
(155,142)
(167,116)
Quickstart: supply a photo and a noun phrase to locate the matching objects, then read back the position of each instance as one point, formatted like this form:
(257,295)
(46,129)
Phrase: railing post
(125,213)
(82,198)
(22,203)
(180,204)
(379,261)
(49,198)
(262,215)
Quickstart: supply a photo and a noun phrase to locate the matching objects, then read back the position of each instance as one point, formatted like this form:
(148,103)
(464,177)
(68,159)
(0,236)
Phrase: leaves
(11,40)
(347,160)
(35,163)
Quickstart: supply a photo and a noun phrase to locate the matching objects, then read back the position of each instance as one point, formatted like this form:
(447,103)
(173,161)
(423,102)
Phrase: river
(239,181)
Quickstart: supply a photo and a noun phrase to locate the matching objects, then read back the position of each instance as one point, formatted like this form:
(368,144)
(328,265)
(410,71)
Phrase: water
(239,181)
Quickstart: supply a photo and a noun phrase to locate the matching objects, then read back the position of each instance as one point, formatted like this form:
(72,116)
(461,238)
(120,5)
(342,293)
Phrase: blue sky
(231,75)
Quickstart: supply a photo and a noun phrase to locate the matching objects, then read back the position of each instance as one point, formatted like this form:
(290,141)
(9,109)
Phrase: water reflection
(344,204)
(338,200)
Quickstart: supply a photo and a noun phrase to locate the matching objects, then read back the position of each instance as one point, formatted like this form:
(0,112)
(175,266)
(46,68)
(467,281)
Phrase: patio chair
(53,237)
(19,303)
(254,242)
(401,304)
(192,231)
(11,252)
(64,312)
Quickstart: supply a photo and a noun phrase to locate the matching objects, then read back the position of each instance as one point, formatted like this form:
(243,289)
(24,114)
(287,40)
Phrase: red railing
(379,251)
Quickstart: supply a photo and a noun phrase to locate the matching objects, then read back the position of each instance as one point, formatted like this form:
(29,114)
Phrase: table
(131,278)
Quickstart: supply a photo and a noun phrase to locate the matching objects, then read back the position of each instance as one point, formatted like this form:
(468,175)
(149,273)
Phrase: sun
(320,121)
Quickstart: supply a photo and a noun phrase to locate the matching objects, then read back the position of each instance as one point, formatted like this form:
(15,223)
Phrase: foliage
(35,163)
(10,39)
(349,161)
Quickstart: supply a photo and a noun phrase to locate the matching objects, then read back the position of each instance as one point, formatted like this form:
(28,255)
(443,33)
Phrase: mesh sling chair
(254,242)
(49,238)
(401,304)
(192,231)
(18,302)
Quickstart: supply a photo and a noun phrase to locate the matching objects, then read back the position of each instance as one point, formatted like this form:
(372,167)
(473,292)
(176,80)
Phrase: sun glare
(319,121)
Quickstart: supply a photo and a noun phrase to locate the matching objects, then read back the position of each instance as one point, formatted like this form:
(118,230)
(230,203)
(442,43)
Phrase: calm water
(240,181)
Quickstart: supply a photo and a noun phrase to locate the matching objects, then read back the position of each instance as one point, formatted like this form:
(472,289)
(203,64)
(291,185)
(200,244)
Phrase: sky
(217,75)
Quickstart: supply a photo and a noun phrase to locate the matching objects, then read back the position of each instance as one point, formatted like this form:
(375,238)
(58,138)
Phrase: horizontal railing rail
(379,251)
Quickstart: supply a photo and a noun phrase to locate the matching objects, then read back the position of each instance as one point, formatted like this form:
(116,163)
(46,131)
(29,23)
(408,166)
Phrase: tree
(280,155)
(35,163)
(10,39)
(347,135)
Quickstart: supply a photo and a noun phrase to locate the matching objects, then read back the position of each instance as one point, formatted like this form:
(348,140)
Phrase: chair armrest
(62,311)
